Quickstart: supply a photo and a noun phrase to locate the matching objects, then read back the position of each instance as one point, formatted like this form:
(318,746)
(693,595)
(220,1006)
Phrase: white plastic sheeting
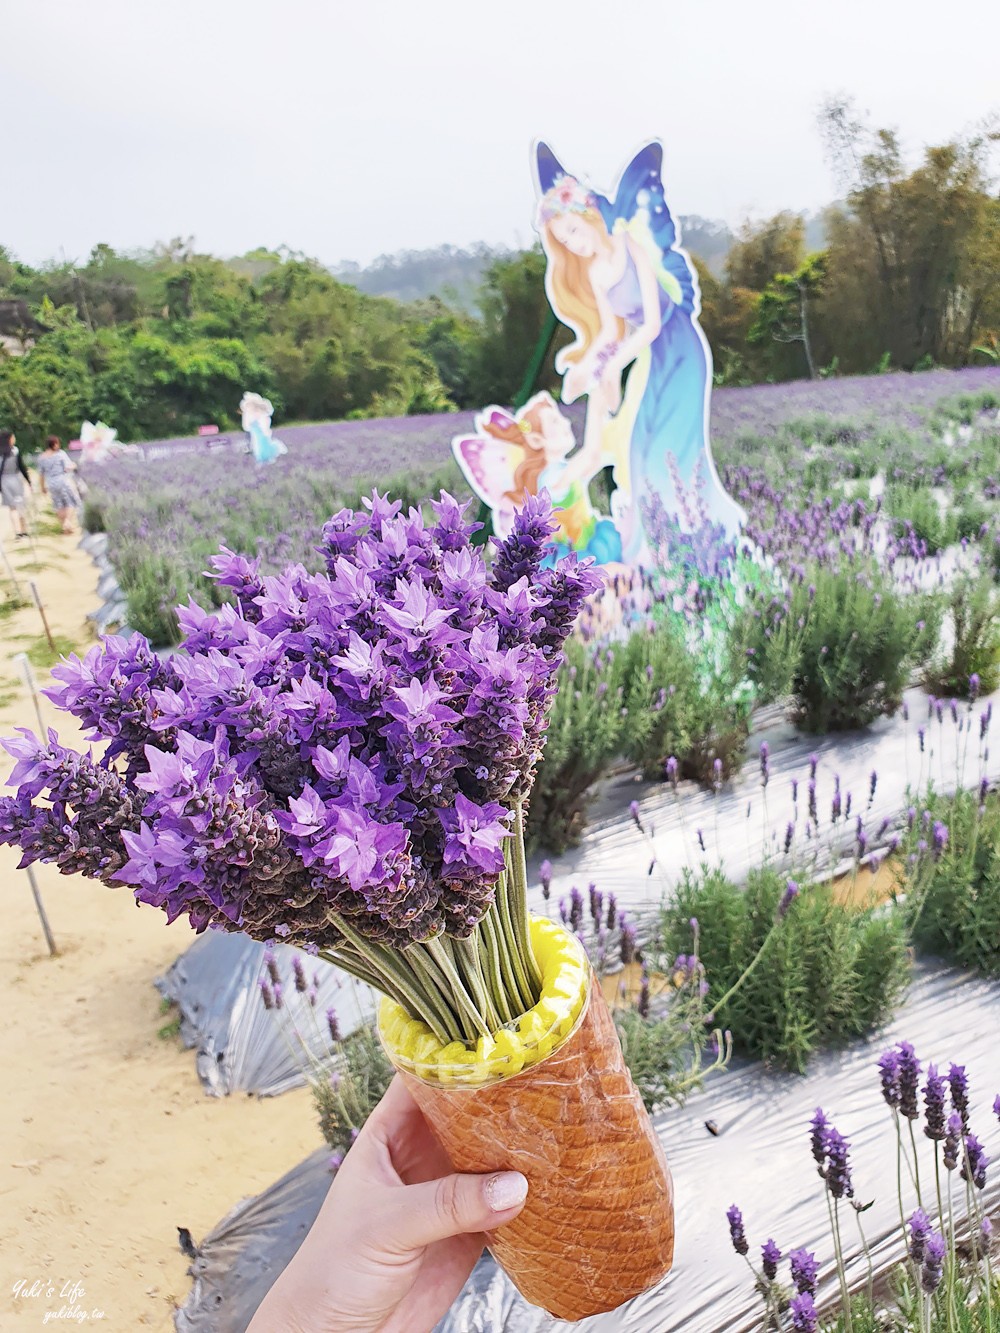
(760,1160)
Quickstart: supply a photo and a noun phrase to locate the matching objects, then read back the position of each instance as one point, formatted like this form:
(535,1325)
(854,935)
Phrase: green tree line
(161,342)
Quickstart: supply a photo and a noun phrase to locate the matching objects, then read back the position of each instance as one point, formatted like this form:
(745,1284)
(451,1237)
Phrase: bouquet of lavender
(339,759)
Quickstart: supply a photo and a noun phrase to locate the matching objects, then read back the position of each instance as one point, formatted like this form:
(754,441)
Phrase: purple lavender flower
(805,1271)
(939,838)
(838,1166)
(974,687)
(629,941)
(765,763)
(770,1259)
(672,771)
(889,1072)
(909,1081)
(545,876)
(953,1142)
(787,898)
(958,1084)
(643,1002)
(266,993)
(803,1312)
(789,836)
(872,784)
(933,1269)
(975,1162)
(633,810)
(301,984)
(920,1228)
(612,917)
(934,1101)
(736,1233)
(819,1127)
(333,1025)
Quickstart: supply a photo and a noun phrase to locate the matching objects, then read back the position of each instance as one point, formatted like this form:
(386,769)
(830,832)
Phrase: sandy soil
(108,1143)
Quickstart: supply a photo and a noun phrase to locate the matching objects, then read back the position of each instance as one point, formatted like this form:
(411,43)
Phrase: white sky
(351,128)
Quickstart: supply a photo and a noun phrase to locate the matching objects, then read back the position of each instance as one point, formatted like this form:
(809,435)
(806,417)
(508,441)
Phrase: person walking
(14,480)
(56,473)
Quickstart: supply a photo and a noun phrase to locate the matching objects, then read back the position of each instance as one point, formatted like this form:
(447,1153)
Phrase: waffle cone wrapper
(553,1099)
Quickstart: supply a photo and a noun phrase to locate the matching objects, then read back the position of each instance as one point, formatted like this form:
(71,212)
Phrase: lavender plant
(342,760)
(946,1282)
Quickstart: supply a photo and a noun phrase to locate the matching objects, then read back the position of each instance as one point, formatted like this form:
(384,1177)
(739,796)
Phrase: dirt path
(108,1143)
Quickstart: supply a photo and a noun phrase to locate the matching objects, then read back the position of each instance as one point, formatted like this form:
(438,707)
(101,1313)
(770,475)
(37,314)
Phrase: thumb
(454,1206)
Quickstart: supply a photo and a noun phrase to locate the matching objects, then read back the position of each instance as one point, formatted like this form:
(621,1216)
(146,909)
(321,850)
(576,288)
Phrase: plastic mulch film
(760,1160)
(242,1255)
(241,1047)
(554,1100)
(743,823)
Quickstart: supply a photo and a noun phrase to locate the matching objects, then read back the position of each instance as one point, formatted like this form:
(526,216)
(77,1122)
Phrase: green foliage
(361,1076)
(678,704)
(586,729)
(829,974)
(973,610)
(954,896)
(848,646)
(918,508)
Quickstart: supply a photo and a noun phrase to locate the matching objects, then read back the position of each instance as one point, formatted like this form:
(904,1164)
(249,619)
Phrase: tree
(783,308)
(762,252)
(925,238)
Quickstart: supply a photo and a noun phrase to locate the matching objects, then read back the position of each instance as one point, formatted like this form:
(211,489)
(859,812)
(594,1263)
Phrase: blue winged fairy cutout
(617,277)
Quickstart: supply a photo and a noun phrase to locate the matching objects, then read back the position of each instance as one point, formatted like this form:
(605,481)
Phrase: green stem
(489,955)
(845,1298)
(392,970)
(492,932)
(438,950)
(508,944)
(916,1165)
(519,905)
(437,990)
(465,955)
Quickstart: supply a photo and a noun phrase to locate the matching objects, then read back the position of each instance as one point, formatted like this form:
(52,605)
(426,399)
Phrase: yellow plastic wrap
(553,1099)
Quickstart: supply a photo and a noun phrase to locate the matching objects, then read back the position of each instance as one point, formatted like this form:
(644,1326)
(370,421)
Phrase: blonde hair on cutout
(572,293)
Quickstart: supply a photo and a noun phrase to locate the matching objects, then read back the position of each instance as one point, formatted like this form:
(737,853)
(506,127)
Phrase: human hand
(396,1237)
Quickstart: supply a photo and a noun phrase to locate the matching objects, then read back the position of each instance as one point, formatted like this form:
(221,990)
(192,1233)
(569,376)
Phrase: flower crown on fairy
(565,195)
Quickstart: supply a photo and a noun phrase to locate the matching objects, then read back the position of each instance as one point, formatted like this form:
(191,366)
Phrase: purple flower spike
(333,1025)
(974,687)
(920,1228)
(736,1233)
(803,1312)
(805,1271)
(633,810)
(819,1127)
(545,877)
(975,1163)
(770,1259)
(787,898)
(953,1142)
(888,1067)
(996,1107)
(958,1084)
(909,1081)
(934,1099)
(939,838)
(933,1269)
(672,771)
(838,1165)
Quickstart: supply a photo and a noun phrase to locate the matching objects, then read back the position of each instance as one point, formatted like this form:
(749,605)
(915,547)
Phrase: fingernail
(506,1191)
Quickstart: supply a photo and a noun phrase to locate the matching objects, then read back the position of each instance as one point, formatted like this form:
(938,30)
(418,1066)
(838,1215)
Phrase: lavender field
(168,508)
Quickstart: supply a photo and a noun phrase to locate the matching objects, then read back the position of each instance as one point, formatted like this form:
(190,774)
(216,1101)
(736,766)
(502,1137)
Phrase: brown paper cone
(598,1226)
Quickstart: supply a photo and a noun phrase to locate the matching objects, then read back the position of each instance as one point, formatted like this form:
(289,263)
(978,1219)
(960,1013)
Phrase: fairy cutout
(618,278)
(511,456)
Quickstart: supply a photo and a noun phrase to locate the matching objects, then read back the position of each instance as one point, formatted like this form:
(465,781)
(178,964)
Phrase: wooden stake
(29,680)
(41,611)
(49,939)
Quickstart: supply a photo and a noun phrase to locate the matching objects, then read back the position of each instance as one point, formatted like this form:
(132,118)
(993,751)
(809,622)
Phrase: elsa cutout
(618,279)
(255,417)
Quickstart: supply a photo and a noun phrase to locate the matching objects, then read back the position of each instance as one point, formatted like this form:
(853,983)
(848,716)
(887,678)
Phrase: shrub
(973,609)
(586,730)
(830,972)
(918,509)
(954,889)
(849,647)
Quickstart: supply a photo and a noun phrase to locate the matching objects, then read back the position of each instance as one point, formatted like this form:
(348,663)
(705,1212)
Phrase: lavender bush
(340,759)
